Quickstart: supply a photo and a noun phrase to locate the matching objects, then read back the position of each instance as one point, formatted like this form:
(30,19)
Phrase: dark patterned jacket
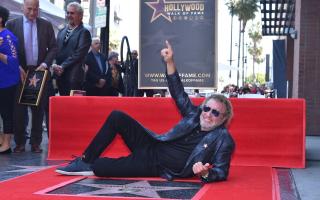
(215,148)
(71,56)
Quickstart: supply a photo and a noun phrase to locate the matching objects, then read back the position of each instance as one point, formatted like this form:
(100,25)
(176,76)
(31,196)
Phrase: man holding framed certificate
(37,50)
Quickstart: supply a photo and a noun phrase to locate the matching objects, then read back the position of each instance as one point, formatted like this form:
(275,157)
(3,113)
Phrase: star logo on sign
(33,81)
(158,10)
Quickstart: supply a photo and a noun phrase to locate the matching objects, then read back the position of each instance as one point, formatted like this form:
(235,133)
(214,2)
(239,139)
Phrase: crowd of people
(72,58)
(232,90)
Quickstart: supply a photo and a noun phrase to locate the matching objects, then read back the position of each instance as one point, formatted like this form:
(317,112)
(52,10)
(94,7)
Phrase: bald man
(37,49)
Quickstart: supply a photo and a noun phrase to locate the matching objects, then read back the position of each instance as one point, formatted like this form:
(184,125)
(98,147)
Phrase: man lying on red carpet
(199,144)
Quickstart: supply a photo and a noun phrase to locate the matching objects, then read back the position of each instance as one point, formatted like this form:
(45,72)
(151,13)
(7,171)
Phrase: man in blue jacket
(98,77)
(198,145)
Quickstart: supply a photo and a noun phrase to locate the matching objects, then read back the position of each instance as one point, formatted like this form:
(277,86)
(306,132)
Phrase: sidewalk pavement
(308,180)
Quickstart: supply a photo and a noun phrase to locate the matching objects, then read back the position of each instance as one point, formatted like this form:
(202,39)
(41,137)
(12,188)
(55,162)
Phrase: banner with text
(189,26)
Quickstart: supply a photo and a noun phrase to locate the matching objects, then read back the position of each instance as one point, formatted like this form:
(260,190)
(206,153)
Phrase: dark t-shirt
(173,155)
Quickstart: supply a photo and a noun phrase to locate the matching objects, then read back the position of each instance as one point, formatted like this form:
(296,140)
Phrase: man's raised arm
(175,85)
(167,54)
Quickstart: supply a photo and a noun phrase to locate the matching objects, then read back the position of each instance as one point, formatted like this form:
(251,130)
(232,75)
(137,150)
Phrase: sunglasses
(213,111)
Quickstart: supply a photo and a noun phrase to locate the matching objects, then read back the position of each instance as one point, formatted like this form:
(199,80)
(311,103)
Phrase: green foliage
(246,10)
(256,52)
(258,78)
(114,41)
(254,49)
(231,4)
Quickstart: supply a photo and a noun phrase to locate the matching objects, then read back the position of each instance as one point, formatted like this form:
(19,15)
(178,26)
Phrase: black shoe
(36,149)
(6,151)
(19,149)
(76,168)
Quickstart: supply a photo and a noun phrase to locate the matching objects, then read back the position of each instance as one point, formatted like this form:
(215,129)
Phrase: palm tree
(231,6)
(254,49)
(245,10)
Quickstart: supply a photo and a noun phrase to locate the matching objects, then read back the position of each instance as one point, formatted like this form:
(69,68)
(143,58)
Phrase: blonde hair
(222,99)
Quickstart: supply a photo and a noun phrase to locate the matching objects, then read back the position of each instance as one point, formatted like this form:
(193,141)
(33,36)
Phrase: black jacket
(118,86)
(94,74)
(215,148)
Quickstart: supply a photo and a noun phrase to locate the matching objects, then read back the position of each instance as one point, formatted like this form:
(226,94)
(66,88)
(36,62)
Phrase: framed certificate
(32,88)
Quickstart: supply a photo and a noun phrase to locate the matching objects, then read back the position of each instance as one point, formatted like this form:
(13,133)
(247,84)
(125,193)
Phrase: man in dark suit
(74,41)
(98,77)
(134,77)
(199,144)
(37,49)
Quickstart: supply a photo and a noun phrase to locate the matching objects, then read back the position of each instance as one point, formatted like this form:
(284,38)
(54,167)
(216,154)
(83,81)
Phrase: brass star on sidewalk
(138,188)
(24,168)
(33,81)
(158,10)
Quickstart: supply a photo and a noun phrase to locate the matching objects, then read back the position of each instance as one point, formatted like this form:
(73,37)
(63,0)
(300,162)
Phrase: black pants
(141,162)
(7,99)
(50,92)
(20,111)
(71,79)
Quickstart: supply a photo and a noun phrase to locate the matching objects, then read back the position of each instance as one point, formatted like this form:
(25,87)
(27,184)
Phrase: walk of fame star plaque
(32,88)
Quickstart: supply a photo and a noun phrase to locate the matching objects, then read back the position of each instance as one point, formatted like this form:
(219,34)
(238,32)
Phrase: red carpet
(267,132)
(247,183)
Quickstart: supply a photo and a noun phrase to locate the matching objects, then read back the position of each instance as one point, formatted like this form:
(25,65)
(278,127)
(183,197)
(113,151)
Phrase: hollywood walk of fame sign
(190,27)
(32,88)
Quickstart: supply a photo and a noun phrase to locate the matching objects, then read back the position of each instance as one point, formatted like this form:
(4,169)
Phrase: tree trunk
(231,34)
(243,57)
(239,49)
(253,71)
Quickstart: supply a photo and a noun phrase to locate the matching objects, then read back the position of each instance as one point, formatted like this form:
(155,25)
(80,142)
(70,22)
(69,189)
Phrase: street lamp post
(104,36)
(232,13)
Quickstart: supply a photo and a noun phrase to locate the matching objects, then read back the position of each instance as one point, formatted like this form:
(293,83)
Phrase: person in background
(135,64)
(98,77)
(1,131)
(117,86)
(9,80)
(74,41)
(199,144)
(37,49)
